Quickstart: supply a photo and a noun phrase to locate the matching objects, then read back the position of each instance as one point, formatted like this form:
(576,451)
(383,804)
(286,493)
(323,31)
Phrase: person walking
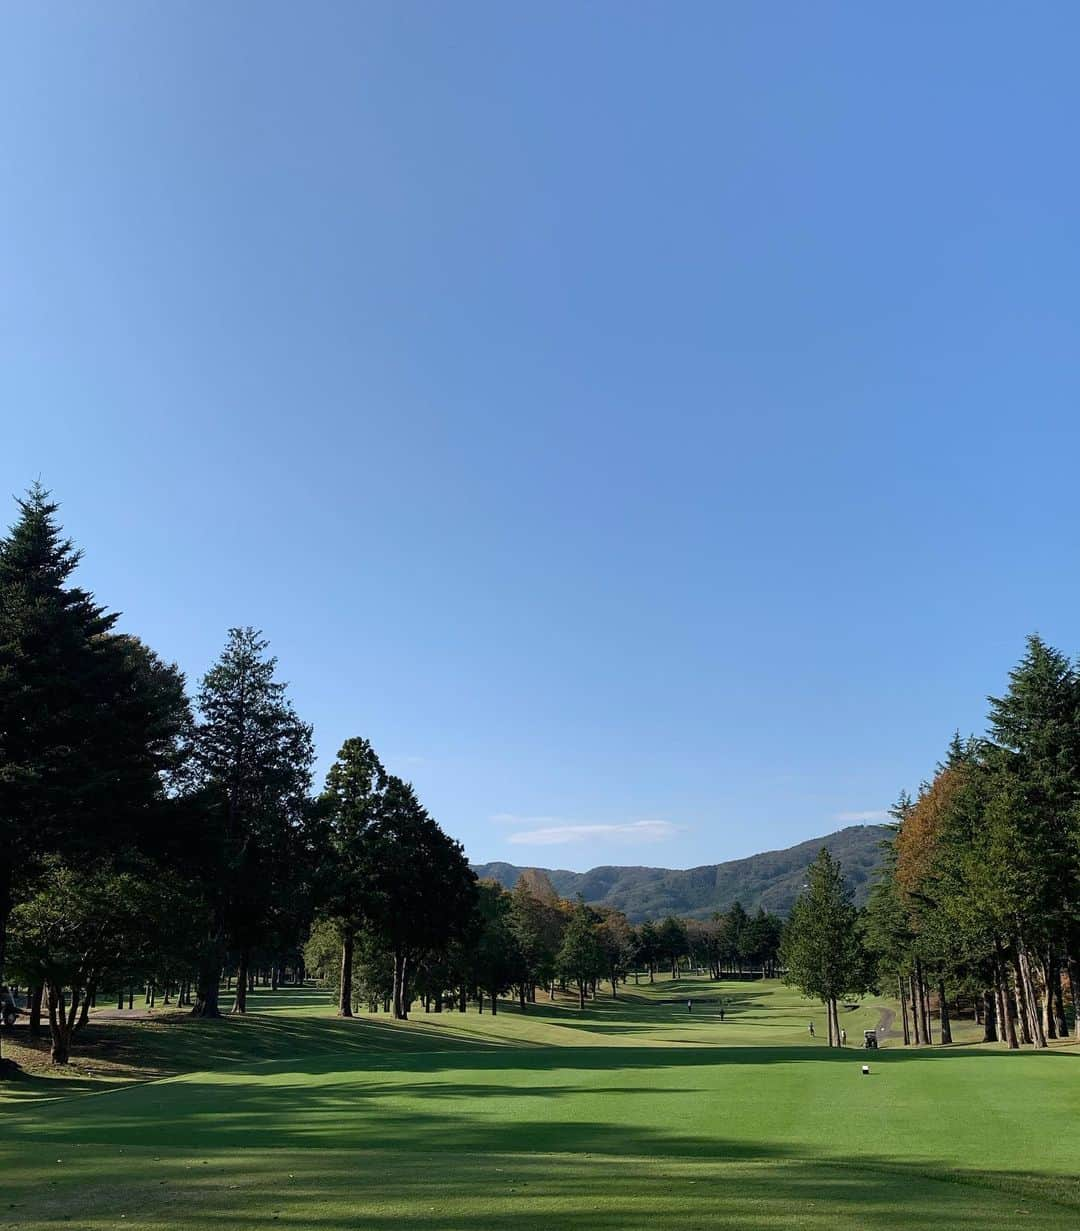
(843,1037)
(811,1029)
(689,1006)
(721,1010)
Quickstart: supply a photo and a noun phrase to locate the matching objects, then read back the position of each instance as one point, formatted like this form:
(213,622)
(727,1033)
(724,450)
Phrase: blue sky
(654,426)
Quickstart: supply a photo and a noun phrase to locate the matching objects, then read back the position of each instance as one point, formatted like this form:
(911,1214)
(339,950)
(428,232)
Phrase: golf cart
(870,1039)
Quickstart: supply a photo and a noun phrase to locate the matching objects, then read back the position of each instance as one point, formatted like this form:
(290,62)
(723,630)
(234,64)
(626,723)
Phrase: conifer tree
(350,806)
(251,758)
(821,947)
(89,719)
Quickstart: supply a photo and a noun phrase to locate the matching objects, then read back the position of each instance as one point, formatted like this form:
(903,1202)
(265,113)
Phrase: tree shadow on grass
(453,1186)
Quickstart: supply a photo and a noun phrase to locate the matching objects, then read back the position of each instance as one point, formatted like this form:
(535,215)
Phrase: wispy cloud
(561,832)
(515,818)
(871,814)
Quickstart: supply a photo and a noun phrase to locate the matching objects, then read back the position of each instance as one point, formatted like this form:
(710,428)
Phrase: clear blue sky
(619,413)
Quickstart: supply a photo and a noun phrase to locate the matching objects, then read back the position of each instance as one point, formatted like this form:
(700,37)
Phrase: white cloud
(871,814)
(563,832)
(514,818)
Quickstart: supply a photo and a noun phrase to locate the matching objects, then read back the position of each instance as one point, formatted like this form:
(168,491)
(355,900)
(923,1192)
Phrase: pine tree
(252,759)
(89,719)
(421,894)
(1035,760)
(821,949)
(350,806)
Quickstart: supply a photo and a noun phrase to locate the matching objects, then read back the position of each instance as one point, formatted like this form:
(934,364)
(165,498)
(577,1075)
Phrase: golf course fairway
(635,1113)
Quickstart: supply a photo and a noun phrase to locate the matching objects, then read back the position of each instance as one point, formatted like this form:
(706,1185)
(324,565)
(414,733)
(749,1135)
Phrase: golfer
(811,1028)
(689,1006)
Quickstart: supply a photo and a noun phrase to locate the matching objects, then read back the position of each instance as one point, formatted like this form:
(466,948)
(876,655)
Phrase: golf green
(633,1114)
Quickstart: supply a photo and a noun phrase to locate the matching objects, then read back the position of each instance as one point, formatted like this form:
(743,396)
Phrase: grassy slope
(630,1115)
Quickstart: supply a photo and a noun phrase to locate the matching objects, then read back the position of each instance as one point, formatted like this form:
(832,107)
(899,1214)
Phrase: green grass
(630,1115)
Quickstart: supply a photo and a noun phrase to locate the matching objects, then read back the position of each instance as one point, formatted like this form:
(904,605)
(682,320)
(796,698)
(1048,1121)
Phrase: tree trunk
(1073,967)
(84,1012)
(400,1010)
(581,993)
(1006,1022)
(207,987)
(243,972)
(1048,967)
(37,995)
(1031,995)
(61,1023)
(1022,1013)
(916,1016)
(345,988)
(904,1009)
(1060,1023)
(522,998)
(989,1015)
(924,1002)
(943,1009)
(836,1022)
(494,1002)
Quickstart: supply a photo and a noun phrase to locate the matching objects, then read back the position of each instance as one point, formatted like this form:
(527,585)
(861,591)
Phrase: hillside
(772,879)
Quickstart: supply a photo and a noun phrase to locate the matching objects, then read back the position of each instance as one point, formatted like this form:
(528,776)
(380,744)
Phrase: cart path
(884,1027)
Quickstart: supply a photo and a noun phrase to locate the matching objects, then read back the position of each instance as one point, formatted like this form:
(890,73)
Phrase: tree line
(977,907)
(176,843)
(521,941)
(980,897)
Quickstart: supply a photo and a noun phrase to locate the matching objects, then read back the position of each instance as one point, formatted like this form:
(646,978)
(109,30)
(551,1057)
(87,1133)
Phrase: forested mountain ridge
(772,879)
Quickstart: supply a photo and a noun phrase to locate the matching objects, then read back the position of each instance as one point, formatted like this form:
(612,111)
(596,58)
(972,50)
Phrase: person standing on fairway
(721,1010)
(811,1028)
(843,1037)
(689,1006)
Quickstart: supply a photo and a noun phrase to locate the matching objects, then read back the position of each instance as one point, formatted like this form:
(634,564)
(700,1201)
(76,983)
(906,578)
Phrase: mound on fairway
(632,1114)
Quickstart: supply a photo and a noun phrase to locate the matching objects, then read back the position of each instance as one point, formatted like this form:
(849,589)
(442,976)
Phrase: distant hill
(772,879)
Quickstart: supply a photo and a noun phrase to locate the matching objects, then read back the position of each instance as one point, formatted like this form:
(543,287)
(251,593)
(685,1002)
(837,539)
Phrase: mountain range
(772,879)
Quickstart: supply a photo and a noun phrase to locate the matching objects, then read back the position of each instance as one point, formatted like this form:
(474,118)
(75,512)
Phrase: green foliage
(91,723)
(581,957)
(251,759)
(821,948)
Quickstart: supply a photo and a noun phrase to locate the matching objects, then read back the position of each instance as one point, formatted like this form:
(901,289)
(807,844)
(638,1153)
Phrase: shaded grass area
(633,1114)
(339,1190)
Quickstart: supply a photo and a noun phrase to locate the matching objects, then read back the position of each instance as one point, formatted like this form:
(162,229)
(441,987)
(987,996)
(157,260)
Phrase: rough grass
(632,1114)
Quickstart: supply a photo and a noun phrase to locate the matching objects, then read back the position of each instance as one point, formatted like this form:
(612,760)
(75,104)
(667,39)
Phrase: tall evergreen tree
(421,894)
(1035,727)
(821,949)
(89,719)
(252,759)
(350,805)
